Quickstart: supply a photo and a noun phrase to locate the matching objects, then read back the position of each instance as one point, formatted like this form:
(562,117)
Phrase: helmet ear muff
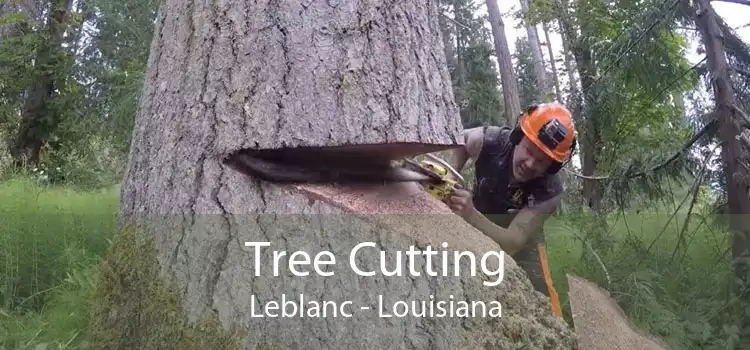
(556,166)
(516,135)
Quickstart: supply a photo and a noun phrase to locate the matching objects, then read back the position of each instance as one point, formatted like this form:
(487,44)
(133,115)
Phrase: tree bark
(732,153)
(313,75)
(508,79)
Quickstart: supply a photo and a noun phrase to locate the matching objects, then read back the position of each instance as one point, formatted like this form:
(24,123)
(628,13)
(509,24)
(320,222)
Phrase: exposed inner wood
(344,164)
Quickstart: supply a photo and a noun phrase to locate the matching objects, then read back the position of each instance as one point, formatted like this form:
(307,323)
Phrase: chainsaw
(301,165)
(444,178)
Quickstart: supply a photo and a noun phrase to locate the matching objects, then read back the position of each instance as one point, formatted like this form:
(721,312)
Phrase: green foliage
(678,292)
(475,79)
(91,112)
(633,63)
(482,99)
(64,322)
(116,63)
(39,226)
(16,53)
(53,279)
(51,240)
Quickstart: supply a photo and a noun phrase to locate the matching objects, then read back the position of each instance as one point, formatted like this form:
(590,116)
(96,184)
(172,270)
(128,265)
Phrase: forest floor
(53,239)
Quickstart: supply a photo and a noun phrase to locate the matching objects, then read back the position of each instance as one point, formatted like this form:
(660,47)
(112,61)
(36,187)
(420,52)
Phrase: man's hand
(460,203)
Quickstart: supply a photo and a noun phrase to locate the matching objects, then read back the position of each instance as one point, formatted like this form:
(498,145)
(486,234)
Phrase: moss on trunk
(134,307)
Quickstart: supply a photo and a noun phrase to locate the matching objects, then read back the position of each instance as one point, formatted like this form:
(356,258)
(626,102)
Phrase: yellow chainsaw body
(445,187)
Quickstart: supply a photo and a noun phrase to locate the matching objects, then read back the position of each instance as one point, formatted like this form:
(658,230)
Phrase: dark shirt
(493,194)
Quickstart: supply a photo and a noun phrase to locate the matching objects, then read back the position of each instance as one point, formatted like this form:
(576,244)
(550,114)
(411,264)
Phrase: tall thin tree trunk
(553,64)
(679,102)
(460,75)
(508,78)
(589,131)
(732,152)
(447,42)
(566,35)
(569,67)
(536,54)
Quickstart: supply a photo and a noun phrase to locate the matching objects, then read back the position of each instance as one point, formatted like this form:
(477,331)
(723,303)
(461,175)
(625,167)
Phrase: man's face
(529,161)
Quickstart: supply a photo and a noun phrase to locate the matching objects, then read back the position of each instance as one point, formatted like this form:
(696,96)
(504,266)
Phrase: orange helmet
(550,127)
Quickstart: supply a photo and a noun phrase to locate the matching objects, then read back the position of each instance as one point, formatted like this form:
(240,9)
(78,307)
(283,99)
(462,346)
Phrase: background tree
(535,48)
(530,90)
(507,75)
(469,54)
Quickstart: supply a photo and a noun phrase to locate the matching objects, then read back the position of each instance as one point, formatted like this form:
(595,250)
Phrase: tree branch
(705,130)
(453,20)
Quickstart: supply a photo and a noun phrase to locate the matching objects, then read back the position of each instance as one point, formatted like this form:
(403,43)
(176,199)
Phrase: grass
(50,240)
(681,295)
(53,238)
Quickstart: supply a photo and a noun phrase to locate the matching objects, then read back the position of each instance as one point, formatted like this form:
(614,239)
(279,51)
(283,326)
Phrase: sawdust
(599,321)
(391,198)
(402,207)
(408,214)
(601,324)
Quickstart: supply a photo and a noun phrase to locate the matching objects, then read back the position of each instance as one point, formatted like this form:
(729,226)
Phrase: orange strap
(554,299)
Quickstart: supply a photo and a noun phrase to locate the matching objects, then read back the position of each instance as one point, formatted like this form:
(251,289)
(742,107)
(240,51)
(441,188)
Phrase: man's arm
(547,196)
(527,222)
(507,240)
(530,220)
(472,146)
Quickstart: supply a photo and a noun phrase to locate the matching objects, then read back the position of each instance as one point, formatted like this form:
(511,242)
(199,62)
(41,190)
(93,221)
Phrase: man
(513,165)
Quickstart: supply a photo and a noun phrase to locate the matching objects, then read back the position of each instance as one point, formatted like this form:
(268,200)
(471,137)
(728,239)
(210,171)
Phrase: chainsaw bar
(412,165)
(325,171)
(435,177)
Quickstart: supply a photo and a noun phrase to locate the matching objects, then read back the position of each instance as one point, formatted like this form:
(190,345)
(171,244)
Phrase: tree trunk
(553,64)
(38,116)
(569,68)
(313,75)
(732,153)
(536,54)
(588,127)
(508,79)
(590,139)
(447,42)
(679,102)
